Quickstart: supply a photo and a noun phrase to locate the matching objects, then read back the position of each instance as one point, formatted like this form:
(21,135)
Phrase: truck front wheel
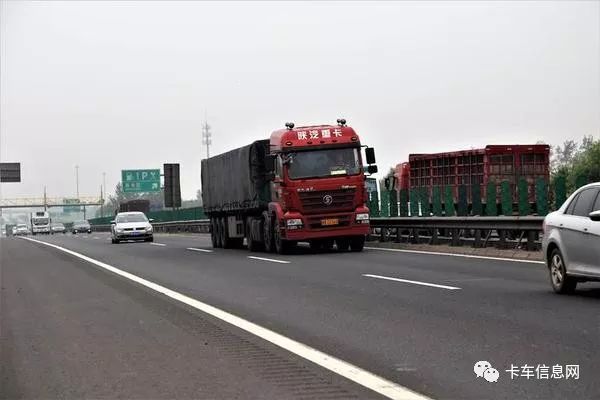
(282,246)
(357,243)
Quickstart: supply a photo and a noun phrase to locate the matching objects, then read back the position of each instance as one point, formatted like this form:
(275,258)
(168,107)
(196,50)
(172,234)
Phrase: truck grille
(341,200)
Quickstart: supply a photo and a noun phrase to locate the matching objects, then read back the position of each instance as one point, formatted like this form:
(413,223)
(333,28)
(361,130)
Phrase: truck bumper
(312,227)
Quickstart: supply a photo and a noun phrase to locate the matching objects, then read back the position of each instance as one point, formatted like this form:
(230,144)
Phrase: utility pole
(206,136)
(102,194)
(77,180)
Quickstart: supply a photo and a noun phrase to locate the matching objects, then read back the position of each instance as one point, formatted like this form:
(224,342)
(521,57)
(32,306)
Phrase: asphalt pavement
(71,329)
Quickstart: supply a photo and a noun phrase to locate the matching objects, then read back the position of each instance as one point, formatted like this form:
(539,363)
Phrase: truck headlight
(362,218)
(294,223)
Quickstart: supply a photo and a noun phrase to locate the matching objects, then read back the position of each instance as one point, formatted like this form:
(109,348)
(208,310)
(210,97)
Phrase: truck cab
(318,191)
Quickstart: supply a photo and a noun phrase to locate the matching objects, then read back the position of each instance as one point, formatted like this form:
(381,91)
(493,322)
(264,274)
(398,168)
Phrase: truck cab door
(277,179)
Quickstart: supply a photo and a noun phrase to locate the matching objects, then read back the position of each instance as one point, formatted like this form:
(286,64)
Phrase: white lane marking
(356,374)
(96,237)
(158,244)
(435,285)
(269,259)
(437,253)
(196,249)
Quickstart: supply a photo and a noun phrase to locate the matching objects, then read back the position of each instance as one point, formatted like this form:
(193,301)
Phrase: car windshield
(58,225)
(125,218)
(322,163)
(21,226)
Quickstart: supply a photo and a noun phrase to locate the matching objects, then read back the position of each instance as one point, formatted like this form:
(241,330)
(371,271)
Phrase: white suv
(571,242)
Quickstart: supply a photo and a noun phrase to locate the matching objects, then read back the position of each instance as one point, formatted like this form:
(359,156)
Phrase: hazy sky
(111,86)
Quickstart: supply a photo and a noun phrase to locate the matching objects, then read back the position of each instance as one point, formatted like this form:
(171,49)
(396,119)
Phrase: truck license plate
(329,221)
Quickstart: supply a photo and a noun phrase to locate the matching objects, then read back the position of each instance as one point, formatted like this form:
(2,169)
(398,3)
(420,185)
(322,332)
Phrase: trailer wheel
(357,243)
(253,245)
(213,234)
(218,233)
(224,233)
(268,232)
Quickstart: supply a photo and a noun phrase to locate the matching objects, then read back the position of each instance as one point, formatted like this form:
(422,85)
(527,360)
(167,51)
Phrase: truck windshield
(322,163)
(40,221)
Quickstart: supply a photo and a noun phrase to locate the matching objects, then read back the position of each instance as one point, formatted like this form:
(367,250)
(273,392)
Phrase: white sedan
(131,226)
(571,242)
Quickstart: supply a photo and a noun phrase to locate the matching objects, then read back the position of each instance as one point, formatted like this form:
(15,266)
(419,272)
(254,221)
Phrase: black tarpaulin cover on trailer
(236,180)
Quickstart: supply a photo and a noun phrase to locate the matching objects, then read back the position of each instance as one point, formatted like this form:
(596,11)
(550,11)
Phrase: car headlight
(149,228)
(119,230)
(294,222)
(362,217)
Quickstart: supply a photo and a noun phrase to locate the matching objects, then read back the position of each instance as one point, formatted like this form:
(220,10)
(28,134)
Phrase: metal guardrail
(478,230)
(509,223)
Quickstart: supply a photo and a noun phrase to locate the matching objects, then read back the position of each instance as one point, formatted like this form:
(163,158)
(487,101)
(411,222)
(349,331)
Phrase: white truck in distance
(40,222)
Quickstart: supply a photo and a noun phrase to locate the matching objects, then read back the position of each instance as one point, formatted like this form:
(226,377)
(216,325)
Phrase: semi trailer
(494,163)
(303,184)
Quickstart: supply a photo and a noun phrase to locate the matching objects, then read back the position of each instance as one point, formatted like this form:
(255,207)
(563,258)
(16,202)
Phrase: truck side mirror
(372,169)
(370,155)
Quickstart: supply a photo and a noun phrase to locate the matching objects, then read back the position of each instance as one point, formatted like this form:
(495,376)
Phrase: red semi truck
(304,184)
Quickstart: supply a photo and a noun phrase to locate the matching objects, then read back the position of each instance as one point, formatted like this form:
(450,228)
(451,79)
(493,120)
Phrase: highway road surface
(176,319)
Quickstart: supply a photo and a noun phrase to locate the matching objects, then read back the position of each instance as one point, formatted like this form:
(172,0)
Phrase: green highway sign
(140,180)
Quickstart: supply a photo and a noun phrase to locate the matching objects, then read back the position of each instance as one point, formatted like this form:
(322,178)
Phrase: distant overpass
(48,202)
